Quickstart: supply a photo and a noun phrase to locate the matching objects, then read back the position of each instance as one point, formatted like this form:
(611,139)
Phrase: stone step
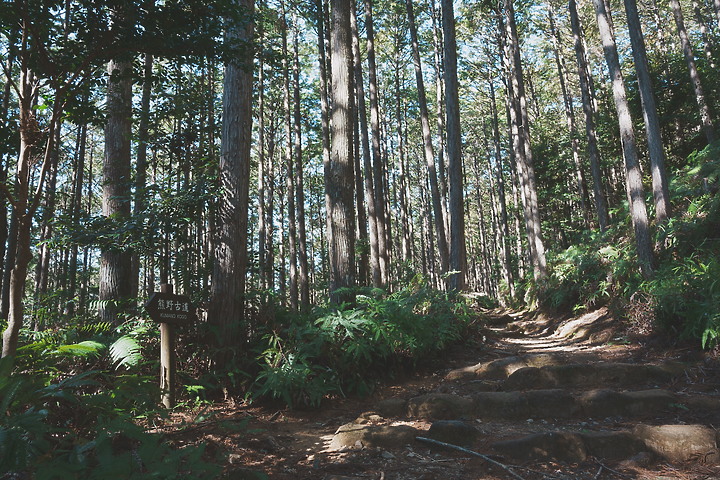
(546,404)
(673,443)
(544,371)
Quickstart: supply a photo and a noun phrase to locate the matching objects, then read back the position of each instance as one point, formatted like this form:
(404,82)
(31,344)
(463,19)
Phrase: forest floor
(532,397)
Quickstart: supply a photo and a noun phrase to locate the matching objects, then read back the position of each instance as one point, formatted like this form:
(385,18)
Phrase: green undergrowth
(683,296)
(347,350)
(77,402)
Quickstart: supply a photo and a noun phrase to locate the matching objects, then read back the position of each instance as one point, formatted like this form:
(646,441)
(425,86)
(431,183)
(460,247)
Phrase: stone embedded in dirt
(647,401)
(602,403)
(612,445)
(481,386)
(500,405)
(554,403)
(502,368)
(572,446)
(368,417)
(559,446)
(454,432)
(352,435)
(440,406)
(609,403)
(584,375)
(680,443)
(701,403)
(640,460)
(392,407)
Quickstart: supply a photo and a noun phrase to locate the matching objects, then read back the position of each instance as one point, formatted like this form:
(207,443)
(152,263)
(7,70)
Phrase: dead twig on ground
(471,452)
(603,466)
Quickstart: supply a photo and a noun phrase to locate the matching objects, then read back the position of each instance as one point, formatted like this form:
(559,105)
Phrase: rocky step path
(556,394)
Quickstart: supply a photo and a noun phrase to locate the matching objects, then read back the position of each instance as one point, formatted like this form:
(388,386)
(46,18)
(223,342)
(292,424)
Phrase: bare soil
(294,444)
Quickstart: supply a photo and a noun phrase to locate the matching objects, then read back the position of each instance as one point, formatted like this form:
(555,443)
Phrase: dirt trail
(536,398)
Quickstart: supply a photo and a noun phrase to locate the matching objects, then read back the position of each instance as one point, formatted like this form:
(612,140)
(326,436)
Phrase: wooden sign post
(169,310)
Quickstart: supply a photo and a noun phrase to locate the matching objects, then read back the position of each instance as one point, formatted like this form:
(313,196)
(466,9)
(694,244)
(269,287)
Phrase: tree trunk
(498,172)
(289,170)
(427,143)
(367,160)
(382,217)
(324,118)
(263,264)
(115,271)
(705,118)
(141,165)
(601,209)
(661,193)
(24,207)
(522,148)
(633,178)
(230,262)
(340,181)
(456,281)
(303,268)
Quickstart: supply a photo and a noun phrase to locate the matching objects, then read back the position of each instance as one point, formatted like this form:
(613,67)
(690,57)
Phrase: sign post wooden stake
(169,310)
(167,358)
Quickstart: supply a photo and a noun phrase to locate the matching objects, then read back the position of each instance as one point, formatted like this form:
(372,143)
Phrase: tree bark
(230,259)
(303,268)
(522,148)
(456,280)
(340,180)
(601,209)
(428,149)
(633,178)
(661,193)
(382,217)
(367,160)
(115,260)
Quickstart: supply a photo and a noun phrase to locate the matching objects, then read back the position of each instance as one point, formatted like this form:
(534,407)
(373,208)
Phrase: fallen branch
(603,466)
(471,452)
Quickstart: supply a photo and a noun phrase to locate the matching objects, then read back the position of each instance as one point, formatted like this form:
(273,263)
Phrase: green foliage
(84,425)
(588,274)
(686,288)
(348,349)
(683,297)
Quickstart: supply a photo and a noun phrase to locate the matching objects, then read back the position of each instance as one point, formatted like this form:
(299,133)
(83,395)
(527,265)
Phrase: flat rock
(352,435)
(612,445)
(501,368)
(572,446)
(440,406)
(454,432)
(392,407)
(559,446)
(588,375)
(609,403)
(680,443)
(499,405)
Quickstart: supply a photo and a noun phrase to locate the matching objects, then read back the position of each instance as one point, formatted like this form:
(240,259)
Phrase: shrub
(346,350)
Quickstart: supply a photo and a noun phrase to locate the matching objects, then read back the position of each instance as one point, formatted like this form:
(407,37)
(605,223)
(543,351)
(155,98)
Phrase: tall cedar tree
(230,261)
(340,183)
